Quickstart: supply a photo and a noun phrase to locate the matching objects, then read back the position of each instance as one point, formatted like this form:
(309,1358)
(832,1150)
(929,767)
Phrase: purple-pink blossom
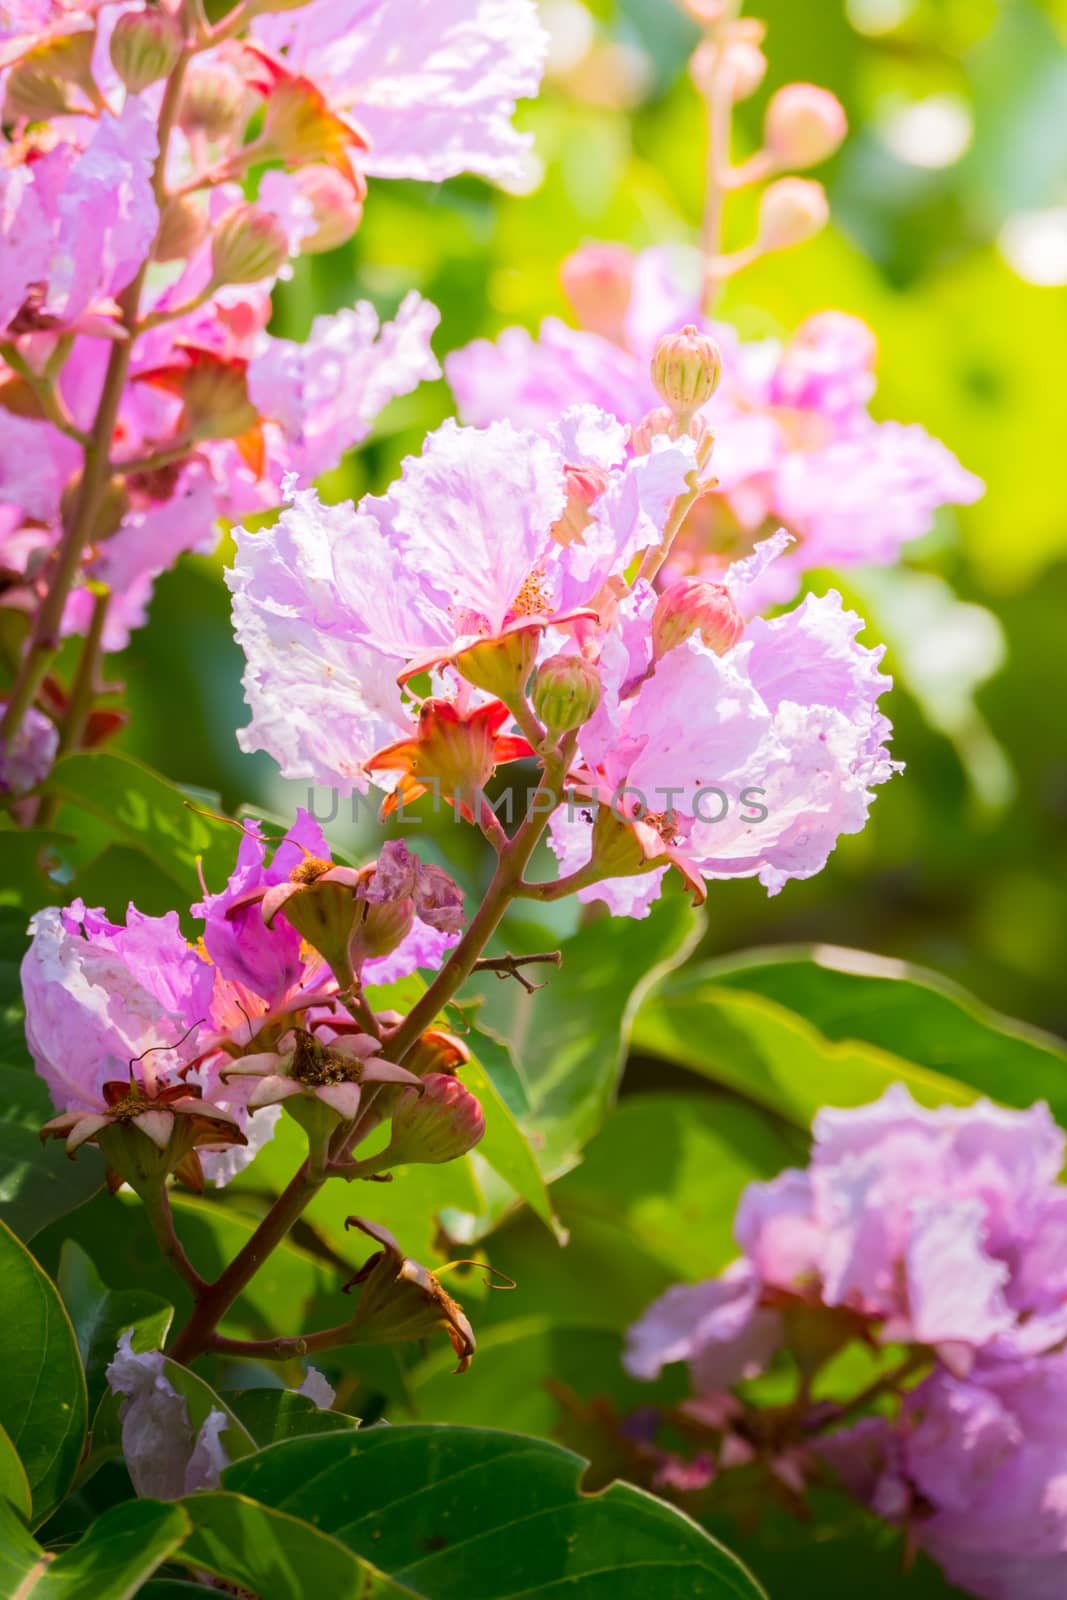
(795,443)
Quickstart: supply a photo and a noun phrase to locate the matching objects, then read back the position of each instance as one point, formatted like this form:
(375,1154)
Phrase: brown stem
(157,1209)
(508,966)
(888,1383)
(45,393)
(218,1297)
(44,637)
(283,1349)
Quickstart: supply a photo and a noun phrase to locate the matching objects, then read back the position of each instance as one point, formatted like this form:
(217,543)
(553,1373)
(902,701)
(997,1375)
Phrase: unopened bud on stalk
(598,281)
(804,125)
(40,83)
(738,65)
(336,207)
(249,244)
(791,211)
(441,1124)
(693,605)
(686,368)
(145,46)
(212,100)
(566,692)
(182,226)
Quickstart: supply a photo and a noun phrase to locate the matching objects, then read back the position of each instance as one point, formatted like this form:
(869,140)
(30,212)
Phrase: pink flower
(326,393)
(794,441)
(159,1450)
(432,82)
(750,763)
(333,604)
(28,758)
(717,1326)
(99,995)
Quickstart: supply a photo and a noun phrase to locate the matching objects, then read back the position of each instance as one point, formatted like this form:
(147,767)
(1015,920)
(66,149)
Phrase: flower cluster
(941,1231)
(171,1055)
(157,175)
(795,443)
(395,642)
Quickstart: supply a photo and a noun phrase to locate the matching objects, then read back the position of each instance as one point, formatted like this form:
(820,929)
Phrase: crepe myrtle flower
(467,560)
(327,1065)
(794,439)
(747,757)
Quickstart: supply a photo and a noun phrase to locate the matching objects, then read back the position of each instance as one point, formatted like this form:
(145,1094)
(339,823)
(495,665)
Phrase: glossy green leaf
(14,1484)
(271,1415)
(569,1038)
(475,1514)
(42,1388)
(99,1315)
(110,1562)
(138,807)
(772,1056)
(275,1554)
(851,995)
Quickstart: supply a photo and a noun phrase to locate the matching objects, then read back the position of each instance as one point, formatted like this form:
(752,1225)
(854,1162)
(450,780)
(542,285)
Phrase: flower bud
(336,207)
(686,368)
(441,1124)
(380,927)
(319,900)
(566,692)
(145,46)
(706,12)
(598,280)
(182,226)
(804,124)
(692,605)
(742,67)
(212,100)
(249,244)
(791,211)
(401,1300)
(584,485)
(40,84)
(437,1051)
(114,504)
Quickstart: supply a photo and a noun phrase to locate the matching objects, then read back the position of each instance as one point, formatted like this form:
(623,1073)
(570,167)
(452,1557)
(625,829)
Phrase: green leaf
(569,1038)
(99,1315)
(475,1514)
(39,1183)
(275,1554)
(110,1562)
(271,1415)
(851,995)
(139,808)
(42,1388)
(772,1056)
(14,1485)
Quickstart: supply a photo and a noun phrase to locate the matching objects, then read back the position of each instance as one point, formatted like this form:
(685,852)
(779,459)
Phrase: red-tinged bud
(336,202)
(454,752)
(437,1051)
(791,212)
(686,368)
(182,227)
(584,485)
(42,83)
(598,282)
(566,692)
(804,125)
(662,424)
(441,1124)
(213,101)
(145,46)
(501,666)
(248,245)
(692,605)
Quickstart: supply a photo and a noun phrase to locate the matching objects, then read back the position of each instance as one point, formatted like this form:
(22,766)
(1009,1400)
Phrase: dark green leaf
(474,1514)
(110,1562)
(42,1388)
(271,1415)
(39,1183)
(277,1555)
(919,1015)
(99,1315)
(14,1485)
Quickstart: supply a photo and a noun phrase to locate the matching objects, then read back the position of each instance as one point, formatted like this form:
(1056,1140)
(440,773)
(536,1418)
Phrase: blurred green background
(950,239)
